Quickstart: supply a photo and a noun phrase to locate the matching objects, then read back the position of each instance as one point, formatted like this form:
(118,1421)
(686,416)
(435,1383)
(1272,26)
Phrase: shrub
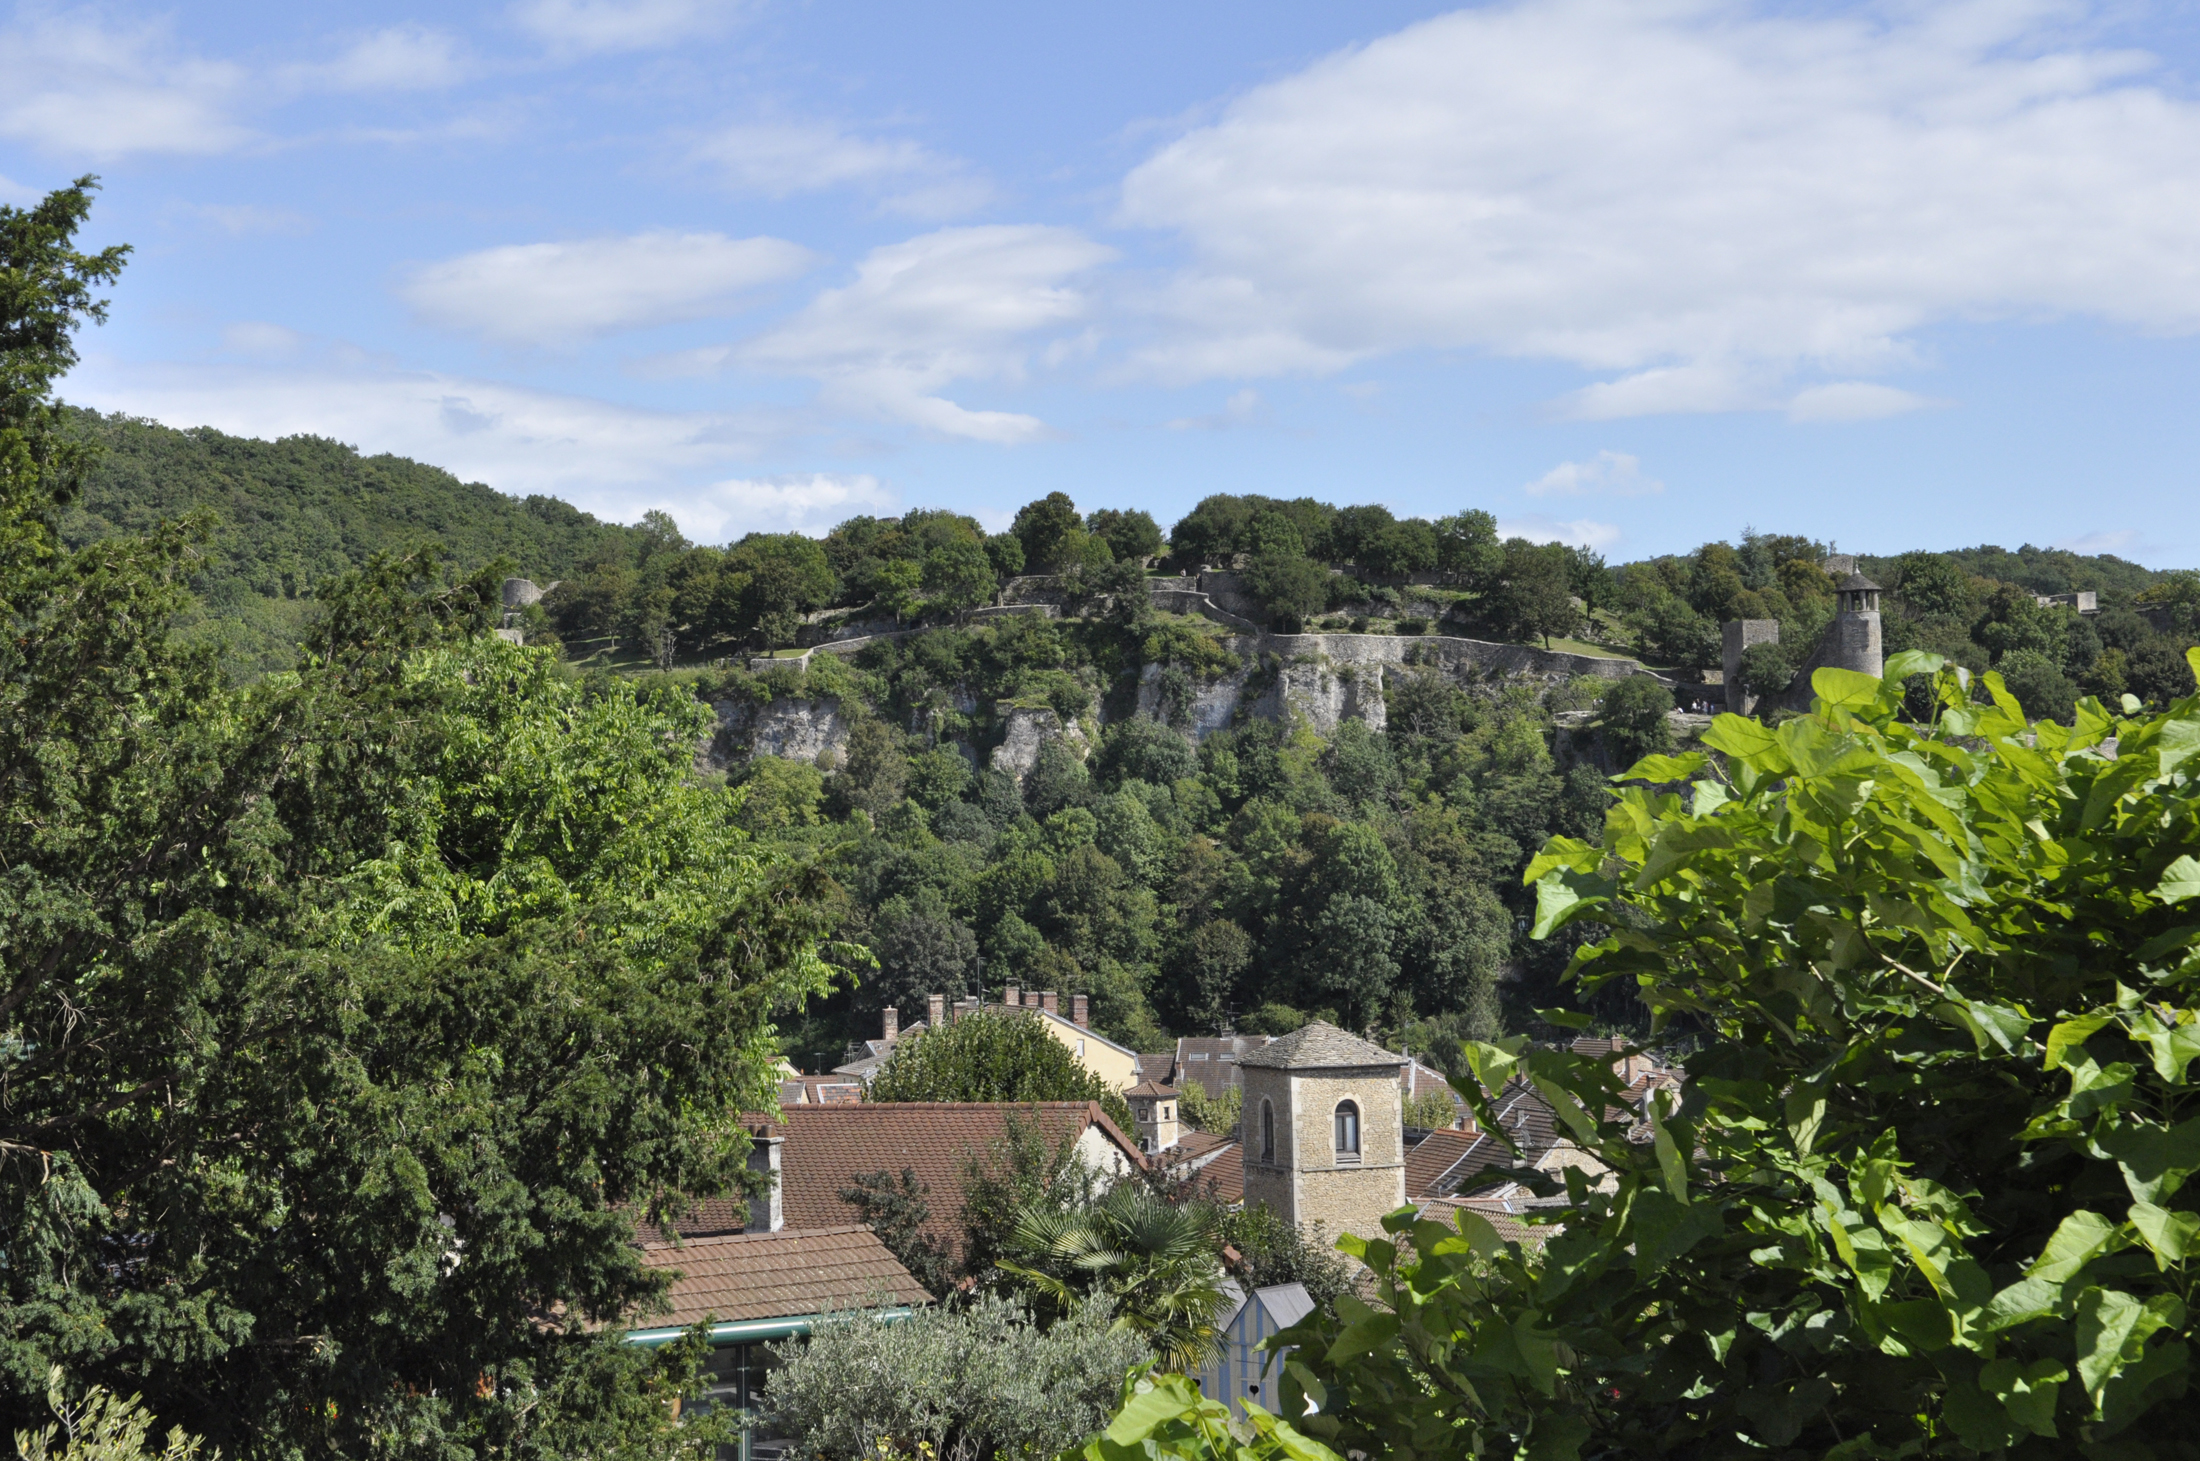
(1925,1192)
(1765,669)
(1633,714)
(972,1382)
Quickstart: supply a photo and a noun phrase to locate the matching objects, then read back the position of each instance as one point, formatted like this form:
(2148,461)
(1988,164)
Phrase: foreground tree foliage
(1926,1193)
(347,1021)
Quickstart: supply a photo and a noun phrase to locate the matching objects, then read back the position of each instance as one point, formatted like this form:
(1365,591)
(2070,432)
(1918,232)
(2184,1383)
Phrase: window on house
(1080,1047)
(1348,1132)
(1199,1055)
(1267,1132)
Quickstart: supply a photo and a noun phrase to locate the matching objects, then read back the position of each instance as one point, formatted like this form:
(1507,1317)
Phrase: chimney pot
(1079,1010)
(1049,1001)
(1014,995)
(892,1021)
(935,1009)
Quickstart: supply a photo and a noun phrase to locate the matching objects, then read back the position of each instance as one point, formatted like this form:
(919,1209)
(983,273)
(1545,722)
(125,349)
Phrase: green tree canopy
(347,1021)
(992,1055)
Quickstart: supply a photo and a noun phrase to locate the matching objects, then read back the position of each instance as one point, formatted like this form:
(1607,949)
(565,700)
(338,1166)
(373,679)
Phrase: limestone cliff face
(1029,729)
(1328,678)
(796,730)
(1326,694)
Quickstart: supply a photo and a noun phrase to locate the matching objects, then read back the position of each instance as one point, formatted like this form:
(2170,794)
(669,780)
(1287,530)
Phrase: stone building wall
(1305,1185)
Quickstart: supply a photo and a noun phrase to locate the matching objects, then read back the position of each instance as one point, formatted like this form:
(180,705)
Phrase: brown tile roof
(1319,1045)
(1527,1118)
(1193,1145)
(1222,1179)
(826,1147)
(781,1276)
(1433,1158)
(1151,1088)
(1502,1216)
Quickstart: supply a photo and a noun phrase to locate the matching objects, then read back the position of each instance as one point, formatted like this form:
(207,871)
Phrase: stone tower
(1324,1132)
(1852,641)
(1153,1108)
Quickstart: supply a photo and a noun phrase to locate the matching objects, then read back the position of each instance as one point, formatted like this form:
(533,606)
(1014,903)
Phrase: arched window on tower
(1267,1132)
(1348,1132)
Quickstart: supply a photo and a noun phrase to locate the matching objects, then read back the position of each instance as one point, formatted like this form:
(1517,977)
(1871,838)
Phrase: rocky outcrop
(1327,695)
(1213,703)
(1442,651)
(1029,728)
(796,730)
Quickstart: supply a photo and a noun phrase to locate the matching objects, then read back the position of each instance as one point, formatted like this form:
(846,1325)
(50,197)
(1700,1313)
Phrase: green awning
(747,1331)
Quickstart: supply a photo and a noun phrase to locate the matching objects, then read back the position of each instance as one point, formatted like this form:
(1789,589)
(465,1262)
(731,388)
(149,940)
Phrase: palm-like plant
(1154,1263)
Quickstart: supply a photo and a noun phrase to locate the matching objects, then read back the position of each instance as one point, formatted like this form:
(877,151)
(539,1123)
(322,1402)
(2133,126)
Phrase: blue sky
(1627,272)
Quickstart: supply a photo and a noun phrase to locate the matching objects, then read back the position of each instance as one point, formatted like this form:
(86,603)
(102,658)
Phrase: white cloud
(1244,408)
(261,339)
(399,58)
(958,304)
(801,502)
(240,220)
(560,293)
(777,159)
(1581,532)
(2115,540)
(625,25)
(1607,474)
(15,194)
(1700,195)
(1854,400)
(1666,390)
(71,86)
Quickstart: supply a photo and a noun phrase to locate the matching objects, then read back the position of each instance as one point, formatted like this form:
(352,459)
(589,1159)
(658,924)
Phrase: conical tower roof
(1320,1046)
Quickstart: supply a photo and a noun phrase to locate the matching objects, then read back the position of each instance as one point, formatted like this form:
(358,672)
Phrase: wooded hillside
(293,513)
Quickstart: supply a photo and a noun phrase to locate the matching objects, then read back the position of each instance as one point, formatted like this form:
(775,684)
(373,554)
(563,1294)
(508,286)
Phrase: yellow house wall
(1119,1068)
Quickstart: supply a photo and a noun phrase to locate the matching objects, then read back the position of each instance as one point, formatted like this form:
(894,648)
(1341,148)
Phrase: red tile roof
(781,1276)
(1430,1160)
(826,1147)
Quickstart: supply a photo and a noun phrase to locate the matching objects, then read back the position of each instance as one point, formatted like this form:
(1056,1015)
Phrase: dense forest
(1256,876)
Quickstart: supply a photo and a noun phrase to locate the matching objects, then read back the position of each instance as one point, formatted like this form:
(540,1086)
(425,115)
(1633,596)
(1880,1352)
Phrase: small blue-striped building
(1242,1371)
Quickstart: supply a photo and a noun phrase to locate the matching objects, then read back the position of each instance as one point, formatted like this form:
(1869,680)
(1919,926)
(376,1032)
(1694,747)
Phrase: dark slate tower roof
(1857,583)
(1319,1046)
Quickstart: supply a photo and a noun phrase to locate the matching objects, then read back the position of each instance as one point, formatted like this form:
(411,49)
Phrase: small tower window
(1267,1132)
(1348,1132)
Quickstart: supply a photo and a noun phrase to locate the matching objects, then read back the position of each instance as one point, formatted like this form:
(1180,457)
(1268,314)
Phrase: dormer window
(1348,1133)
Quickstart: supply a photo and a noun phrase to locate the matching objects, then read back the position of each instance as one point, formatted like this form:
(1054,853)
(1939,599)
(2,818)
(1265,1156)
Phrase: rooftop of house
(1151,1088)
(825,1148)
(783,1275)
(1319,1045)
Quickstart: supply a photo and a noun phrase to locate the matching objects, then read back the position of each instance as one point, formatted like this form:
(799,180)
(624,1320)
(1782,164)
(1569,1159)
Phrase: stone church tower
(1324,1131)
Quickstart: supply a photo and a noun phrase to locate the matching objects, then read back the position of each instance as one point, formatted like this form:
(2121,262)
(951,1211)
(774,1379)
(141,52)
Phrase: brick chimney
(1013,996)
(1031,999)
(893,1023)
(935,1009)
(1079,1010)
(1049,1001)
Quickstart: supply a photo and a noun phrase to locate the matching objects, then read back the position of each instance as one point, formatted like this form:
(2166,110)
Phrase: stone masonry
(1297,1085)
